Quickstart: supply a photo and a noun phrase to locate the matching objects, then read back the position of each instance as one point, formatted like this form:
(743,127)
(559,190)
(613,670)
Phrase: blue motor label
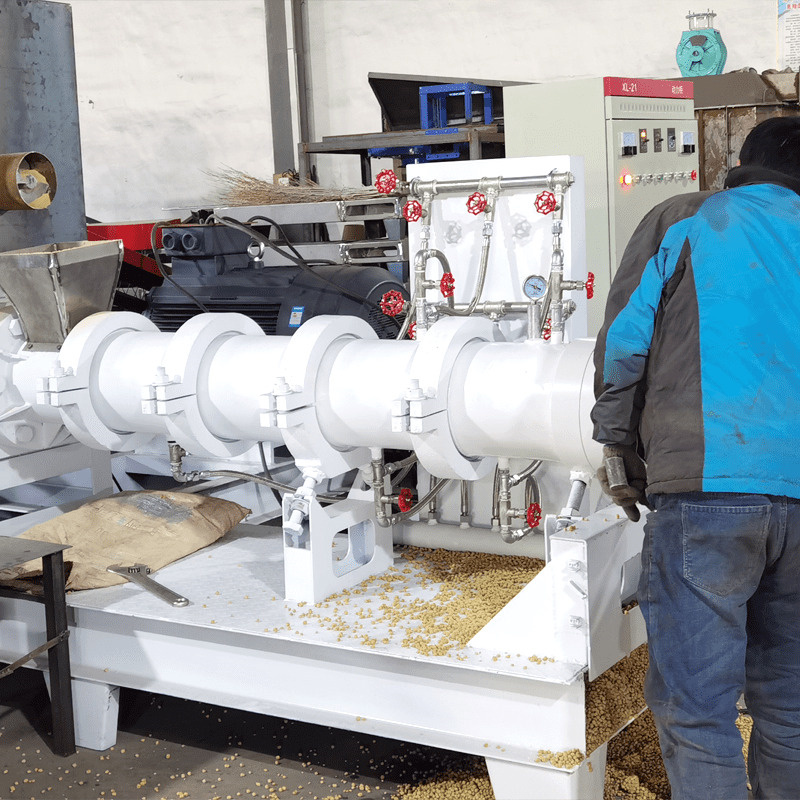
(296,317)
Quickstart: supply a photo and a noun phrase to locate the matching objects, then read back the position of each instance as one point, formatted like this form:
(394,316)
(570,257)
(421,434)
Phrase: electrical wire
(286,241)
(157,259)
(295,256)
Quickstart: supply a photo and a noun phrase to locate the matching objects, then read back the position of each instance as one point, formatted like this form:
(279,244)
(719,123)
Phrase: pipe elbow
(515,534)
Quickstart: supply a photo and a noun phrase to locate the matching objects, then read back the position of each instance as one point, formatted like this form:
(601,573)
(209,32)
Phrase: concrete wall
(169,89)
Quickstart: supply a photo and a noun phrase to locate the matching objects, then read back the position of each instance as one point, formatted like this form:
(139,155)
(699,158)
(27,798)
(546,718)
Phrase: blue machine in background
(439,107)
(701,50)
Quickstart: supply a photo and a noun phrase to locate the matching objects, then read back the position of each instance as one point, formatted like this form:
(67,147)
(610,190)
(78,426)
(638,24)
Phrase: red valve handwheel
(447,285)
(534,515)
(405,499)
(386,181)
(412,211)
(590,286)
(412,330)
(476,203)
(545,202)
(392,303)
(547,330)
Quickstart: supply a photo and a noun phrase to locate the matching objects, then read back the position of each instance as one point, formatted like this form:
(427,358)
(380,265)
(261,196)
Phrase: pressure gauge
(534,287)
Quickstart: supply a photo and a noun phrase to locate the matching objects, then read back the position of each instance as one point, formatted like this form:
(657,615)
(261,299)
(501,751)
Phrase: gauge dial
(534,287)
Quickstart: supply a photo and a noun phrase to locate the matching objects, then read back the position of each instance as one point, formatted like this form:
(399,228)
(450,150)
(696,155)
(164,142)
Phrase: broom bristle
(240,189)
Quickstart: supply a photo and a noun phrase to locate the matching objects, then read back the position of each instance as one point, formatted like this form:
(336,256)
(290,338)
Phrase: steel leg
(58,656)
(96,713)
(366,169)
(532,782)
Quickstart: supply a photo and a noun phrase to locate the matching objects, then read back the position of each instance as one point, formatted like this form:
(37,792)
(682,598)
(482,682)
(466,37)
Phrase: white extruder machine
(490,398)
(484,395)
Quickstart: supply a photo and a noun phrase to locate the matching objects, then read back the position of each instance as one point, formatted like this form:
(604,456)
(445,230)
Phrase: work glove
(627,494)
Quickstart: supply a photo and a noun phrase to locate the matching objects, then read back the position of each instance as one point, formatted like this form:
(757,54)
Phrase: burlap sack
(153,528)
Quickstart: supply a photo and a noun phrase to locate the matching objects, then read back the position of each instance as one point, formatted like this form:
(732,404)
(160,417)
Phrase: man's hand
(631,492)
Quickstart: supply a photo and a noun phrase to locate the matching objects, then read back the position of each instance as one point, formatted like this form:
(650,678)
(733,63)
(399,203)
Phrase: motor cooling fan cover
(701,53)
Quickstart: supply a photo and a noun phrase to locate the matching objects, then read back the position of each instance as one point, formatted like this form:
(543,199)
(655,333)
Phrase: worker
(698,392)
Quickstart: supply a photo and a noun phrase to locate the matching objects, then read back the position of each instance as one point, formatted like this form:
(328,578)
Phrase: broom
(240,189)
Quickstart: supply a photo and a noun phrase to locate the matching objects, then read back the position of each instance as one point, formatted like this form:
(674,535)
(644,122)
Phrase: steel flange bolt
(545,202)
(476,203)
(533,516)
(590,286)
(386,181)
(392,303)
(412,211)
(405,499)
(447,285)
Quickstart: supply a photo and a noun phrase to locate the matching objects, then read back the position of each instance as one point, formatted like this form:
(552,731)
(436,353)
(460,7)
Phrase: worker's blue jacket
(698,361)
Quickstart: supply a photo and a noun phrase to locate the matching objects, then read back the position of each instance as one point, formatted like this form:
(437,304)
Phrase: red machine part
(547,330)
(412,211)
(447,285)
(405,499)
(545,202)
(533,515)
(476,203)
(392,303)
(412,330)
(135,236)
(590,286)
(386,181)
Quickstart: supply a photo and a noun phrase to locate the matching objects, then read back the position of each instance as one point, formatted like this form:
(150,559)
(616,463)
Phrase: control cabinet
(638,138)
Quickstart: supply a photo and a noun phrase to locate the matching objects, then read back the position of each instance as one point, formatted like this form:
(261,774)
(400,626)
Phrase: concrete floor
(177,749)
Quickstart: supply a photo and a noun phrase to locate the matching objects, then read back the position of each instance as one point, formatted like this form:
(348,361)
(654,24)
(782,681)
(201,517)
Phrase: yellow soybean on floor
(179,750)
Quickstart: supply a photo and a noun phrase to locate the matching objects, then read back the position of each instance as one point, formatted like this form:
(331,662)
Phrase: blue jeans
(720,594)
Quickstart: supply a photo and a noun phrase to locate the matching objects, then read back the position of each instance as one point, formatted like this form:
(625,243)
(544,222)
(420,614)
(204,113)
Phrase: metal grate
(169,318)
(384,326)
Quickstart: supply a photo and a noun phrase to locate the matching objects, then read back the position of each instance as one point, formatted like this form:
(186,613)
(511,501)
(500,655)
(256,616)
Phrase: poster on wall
(788,34)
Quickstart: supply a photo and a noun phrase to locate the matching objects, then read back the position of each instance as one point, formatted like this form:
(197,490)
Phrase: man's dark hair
(775,144)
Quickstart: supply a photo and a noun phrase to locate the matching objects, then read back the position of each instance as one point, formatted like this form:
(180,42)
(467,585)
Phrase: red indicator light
(626,179)
(694,175)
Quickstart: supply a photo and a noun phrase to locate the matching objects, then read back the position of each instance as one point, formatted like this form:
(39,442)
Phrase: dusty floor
(175,749)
